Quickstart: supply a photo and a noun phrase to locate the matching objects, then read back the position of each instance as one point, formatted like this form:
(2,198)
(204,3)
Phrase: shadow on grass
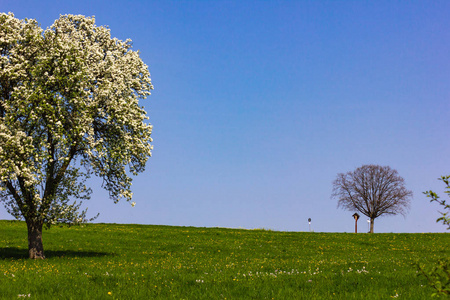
(20,253)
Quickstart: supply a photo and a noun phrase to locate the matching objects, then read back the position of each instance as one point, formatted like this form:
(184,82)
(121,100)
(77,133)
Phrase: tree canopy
(372,190)
(68,109)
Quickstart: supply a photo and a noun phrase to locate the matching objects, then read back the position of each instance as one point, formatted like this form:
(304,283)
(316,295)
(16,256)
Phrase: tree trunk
(371,224)
(35,247)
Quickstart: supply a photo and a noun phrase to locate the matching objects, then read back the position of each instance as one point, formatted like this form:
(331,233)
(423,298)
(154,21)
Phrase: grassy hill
(110,261)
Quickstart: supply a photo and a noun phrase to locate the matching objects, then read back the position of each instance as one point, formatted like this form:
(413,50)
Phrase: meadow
(112,261)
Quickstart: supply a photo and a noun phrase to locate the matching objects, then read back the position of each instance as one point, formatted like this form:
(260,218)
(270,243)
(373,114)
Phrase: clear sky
(258,105)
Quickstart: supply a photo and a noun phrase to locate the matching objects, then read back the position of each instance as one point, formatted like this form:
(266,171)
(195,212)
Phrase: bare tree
(372,190)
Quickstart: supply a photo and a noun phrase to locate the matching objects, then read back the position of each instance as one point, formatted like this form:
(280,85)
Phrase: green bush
(445,219)
(438,276)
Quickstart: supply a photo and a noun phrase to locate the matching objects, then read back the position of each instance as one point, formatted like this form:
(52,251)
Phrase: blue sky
(258,105)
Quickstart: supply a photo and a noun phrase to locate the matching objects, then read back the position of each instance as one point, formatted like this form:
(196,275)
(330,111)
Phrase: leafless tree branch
(372,190)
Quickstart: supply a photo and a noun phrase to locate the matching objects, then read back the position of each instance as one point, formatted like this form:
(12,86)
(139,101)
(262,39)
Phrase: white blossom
(69,108)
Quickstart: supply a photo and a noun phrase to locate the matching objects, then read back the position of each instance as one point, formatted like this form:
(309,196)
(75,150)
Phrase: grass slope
(109,261)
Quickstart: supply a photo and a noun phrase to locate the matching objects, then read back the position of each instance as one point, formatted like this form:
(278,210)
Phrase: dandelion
(395,296)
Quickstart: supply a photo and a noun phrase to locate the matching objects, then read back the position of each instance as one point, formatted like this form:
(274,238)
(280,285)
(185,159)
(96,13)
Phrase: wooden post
(356,216)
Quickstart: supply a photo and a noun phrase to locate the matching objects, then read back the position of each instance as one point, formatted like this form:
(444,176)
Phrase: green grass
(109,261)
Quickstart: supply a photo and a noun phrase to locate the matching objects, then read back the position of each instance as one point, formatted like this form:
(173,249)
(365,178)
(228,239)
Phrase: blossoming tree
(68,109)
